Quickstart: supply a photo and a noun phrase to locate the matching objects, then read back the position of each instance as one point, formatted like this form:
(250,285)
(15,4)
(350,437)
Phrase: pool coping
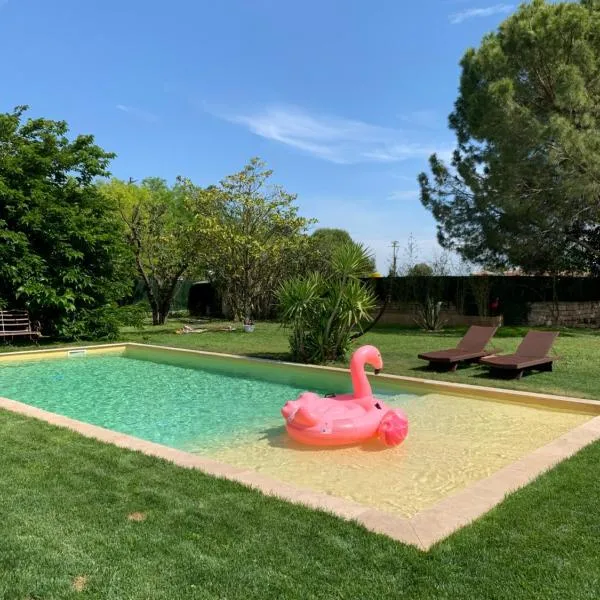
(425,528)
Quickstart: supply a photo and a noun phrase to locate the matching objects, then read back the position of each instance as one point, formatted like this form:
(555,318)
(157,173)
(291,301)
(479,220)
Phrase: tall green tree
(421,269)
(523,188)
(323,244)
(62,254)
(168,230)
(261,240)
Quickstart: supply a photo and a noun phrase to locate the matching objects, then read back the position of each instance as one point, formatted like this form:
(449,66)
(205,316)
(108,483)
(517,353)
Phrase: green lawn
(85,520)
(68,505)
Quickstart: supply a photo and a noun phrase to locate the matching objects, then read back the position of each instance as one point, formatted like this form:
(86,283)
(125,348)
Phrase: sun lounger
(532,353)
(471,348)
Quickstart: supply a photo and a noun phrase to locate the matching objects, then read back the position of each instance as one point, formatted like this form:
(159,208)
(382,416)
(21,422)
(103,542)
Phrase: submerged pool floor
(452,442)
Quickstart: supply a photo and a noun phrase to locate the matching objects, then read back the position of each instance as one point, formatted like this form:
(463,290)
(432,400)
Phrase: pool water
(162,403)
(235,418)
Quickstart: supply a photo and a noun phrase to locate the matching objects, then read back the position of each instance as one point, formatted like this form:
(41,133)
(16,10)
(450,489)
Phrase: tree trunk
(160,311)
(155,314)
(163,312)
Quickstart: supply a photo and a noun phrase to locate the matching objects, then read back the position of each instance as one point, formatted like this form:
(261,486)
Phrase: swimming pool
(228,410)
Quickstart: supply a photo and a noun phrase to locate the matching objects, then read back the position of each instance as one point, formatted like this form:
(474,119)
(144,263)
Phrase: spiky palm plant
(324,310)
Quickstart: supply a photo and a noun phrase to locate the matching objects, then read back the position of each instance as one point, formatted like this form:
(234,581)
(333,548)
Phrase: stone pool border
(422,530)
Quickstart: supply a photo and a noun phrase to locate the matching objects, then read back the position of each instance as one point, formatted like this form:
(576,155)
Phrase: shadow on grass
(426,369)
(412,331)
(279,356)
(509,377)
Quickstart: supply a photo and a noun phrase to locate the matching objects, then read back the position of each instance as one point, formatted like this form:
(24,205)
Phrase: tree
(61,253)
(523,188)
(260,240)
(169,232)
(420,270)
(326,312)
(323,243)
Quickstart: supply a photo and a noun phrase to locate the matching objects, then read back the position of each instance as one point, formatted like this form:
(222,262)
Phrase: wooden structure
(17,324)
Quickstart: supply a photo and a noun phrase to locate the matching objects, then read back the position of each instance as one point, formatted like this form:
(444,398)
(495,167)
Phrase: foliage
(426,293)
(260,240)
(411,254)
(323,243)
(100,324)
(429,315)
(169,232)
(133,315)
(324,313)
(420,270)
(62,255)
(524,185)
(424,285)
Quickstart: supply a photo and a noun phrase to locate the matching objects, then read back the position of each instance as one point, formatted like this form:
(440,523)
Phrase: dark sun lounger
(470,348)
(532,353)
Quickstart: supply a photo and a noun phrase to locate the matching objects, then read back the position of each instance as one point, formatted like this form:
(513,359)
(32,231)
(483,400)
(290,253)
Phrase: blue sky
(344,99)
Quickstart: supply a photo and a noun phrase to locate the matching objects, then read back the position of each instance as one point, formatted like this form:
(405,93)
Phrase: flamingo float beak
(377,371)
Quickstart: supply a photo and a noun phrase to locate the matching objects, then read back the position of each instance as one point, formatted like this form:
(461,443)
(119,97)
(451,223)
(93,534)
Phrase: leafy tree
(524,185)
(168,230)
(260,241)
(325,313)
(420,270)
(323,243)
(61,253)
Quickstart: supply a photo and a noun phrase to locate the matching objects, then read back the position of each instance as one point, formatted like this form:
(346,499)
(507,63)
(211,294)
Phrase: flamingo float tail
(393,428)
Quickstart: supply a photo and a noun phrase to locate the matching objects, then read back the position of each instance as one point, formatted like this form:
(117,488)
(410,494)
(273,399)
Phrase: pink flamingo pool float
(349,418)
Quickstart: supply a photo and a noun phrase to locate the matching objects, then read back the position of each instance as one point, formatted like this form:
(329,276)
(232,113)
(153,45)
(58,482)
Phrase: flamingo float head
(367,355)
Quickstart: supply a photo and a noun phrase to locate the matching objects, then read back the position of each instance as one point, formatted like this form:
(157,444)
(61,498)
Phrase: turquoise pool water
(228,409)
(163,403)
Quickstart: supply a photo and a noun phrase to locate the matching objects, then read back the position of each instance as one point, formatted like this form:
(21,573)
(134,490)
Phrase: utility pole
(394,270)
(131,181)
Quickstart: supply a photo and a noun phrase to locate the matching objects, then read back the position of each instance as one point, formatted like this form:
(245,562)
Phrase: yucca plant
(325,310)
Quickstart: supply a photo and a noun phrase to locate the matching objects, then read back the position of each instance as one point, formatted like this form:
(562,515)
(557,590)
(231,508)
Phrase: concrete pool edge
(425,528)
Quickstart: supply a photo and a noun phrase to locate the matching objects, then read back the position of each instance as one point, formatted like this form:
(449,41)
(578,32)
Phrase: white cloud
(471,13)
(335,139)
(138,113)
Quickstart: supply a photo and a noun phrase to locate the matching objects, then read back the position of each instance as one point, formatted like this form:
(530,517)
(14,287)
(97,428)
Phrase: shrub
(326,313)
(132,315)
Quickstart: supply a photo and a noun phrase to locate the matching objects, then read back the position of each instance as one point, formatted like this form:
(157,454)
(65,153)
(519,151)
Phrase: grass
(85,520)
